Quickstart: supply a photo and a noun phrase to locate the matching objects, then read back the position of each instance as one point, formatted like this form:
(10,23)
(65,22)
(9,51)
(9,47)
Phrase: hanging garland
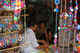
(75,12)
(57,2)
(66,15)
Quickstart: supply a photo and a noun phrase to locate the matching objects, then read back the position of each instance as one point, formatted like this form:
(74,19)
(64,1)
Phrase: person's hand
(38,47)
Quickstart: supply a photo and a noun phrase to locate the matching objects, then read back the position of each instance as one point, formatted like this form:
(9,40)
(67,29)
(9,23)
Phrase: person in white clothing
(30,40)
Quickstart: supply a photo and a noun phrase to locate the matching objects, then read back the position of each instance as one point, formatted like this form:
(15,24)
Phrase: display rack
(11,29)
(67,26)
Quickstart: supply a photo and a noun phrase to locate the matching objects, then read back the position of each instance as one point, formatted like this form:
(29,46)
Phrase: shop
(57,20)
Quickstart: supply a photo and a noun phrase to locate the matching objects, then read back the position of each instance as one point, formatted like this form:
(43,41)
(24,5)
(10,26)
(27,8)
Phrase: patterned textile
(12,4)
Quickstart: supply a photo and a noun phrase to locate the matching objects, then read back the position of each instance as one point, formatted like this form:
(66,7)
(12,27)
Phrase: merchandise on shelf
(11,26)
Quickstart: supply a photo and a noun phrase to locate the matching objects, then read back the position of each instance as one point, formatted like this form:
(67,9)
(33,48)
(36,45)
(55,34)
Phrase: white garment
(31,42)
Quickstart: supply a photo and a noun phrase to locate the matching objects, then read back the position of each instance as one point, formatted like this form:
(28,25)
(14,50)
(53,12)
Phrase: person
(43,37)
(31,43)
(43,32)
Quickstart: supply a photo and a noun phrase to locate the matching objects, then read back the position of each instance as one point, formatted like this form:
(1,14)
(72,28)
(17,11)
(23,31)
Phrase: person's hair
(42,22)
(32,24)
(49,30)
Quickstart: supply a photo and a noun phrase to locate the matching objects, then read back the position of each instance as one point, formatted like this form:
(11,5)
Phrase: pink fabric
(17,11)
(22,4)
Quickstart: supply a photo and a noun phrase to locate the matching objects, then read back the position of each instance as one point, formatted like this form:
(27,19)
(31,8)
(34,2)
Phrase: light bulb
(59,28)
(56,35)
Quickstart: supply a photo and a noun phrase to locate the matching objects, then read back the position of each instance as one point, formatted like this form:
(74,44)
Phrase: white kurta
(31,42)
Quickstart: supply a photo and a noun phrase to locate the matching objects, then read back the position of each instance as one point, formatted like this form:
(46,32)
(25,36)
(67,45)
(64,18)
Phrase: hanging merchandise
(70,17)
(55,39)
(56,10)
(13,4)
(66,16)
(75,16)
(2,43)
(22,3)
(64,26)
(78,27)
(15,18)
(71,9)
(19,4)
(61,15)
(7,39)
(78,37)
(13,39)
(57,2)
(6,4)
(75,13)
(76,45)
(15,27)
(15,22)
(1,4)
(17,11)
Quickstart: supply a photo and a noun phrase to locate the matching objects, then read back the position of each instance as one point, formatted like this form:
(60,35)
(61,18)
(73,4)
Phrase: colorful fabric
(12,5)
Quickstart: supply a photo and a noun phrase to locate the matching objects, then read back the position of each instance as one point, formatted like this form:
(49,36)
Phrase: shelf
(12,15)
(25,15)
(2,9)
(4,34)
(23,8)
(3,17)
(11,48)
(11,32)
